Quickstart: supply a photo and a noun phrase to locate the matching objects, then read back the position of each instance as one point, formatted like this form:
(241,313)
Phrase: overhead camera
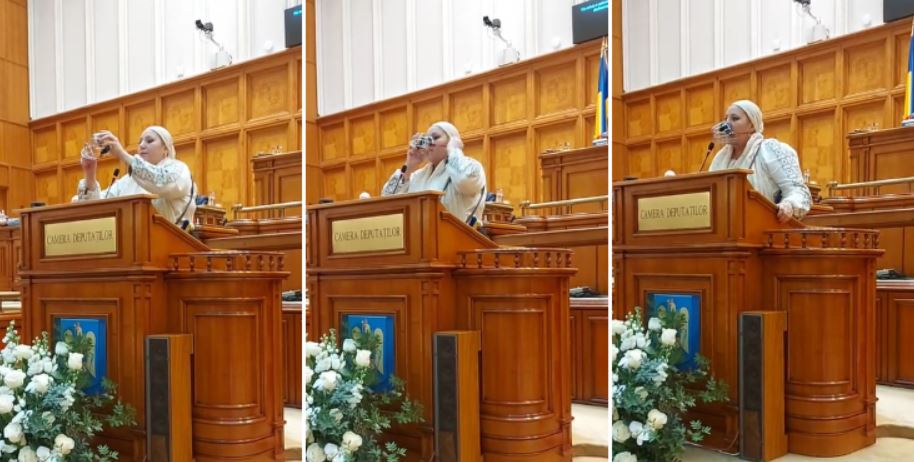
(222,57)
(208,27)
(509,54)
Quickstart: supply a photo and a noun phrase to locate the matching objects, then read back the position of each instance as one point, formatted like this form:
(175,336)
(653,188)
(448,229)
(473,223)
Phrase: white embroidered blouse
(461,177)
(777,171)
(170,179)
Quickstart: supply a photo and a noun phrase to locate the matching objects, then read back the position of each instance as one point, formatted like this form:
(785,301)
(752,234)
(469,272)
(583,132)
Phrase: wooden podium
(117,263)
(712,236)
(406,258)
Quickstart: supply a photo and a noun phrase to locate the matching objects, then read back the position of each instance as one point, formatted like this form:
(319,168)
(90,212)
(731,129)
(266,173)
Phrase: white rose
(75,361)
(329,379)
(627,343)
(654,324)
(6,403)
(631,359)
(349,345)
(640,432)
(14,379)
(308,374)
(660,377)
(40,383)
(340,457)
(312,349)
(335,362)
(656,419)
(13,432)
(43,453)
(351,441)
(337,416)
(23,352)
(61,348)
(613,351)
(363,358)
(641,341)
(64,444)
(641,392)
(620,432)
(322,365)
(668,337)
(27,454)
(330,450)
(625,457)
(618,327)
(315,453)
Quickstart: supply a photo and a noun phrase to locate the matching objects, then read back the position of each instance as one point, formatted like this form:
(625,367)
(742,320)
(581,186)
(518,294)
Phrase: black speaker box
(293,26)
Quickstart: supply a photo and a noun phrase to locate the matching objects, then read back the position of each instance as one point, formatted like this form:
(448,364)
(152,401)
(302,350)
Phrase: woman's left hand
(785,211)
(106,138)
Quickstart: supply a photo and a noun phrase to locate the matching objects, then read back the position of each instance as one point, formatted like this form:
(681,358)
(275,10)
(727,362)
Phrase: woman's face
(152,149)
(742,127)
(438,150)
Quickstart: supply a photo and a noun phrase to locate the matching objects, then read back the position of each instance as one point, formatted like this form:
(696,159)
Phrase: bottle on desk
(211,199)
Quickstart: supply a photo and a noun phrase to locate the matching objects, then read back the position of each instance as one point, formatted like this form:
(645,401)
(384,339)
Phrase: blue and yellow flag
(908,108)
(601,124)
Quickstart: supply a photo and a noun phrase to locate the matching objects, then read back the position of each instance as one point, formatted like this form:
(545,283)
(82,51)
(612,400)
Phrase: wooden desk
(880,155)
(277,179)
(575,173)
(156,279)
(742,259)
(446,276)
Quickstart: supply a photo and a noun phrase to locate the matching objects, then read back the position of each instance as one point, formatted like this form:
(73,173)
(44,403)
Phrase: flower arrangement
(650,394)
(44,413)
(344,417)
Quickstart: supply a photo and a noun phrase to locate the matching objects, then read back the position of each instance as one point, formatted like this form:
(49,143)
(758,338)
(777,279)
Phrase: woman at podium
(777,169)
(153,170)
(461,178)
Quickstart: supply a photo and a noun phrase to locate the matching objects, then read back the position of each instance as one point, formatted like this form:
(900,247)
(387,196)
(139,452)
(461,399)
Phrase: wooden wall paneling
(267,93)
(223,169)
(46,145)
(188,153)
(266,139)
(139,116)
(71,176)
(781,129)
(179,113)
(425,113)
(638,117)
(817,78)
(555,89)
(641,161)
(467,110)
(47,186)
(669,156)
(892,238)
(14,145)
(900,323)
(335,183)
(221,103)
(21,190)
(668,113)
(394,128)
(585,180)
(509,100)
(574,328)
(820,149)
(364,178)
(595,333)
(363,133)
(554,136)
(864,67)
(333,145)
(511,168)
(899,59)
(74,135)
(696,149)
(881,340)
(291,356)
(775,89)
(907,244)
(585,260)
(474,148)
(591,78)
(603,269)
(700,106)
(387,165)
(107,120)
(732,89)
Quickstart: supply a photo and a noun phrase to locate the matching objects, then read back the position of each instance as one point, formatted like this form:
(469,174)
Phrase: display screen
(590,20)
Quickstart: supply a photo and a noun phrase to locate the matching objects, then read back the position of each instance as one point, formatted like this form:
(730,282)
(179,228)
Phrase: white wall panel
(512,15)
(85,51)
(669,40)
(429,44)
(106,58)
(267,25)
(330,56)
(140,45)
(737,35)
(43,71)
(718,33)
(553,25)
(362,52)
(701,36)
(393,38)
(74,61)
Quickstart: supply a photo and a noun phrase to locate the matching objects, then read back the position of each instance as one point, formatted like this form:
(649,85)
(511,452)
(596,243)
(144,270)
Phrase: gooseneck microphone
(710,148)
(117,172)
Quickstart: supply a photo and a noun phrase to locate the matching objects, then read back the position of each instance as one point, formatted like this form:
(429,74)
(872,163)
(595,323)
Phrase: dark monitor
(293,26)
(896,9)
(590,20)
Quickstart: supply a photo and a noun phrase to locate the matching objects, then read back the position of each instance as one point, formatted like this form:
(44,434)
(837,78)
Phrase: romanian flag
(909,80)
(601,123)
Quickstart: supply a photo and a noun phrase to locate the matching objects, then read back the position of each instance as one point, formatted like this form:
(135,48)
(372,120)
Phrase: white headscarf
(753,112)
(454,141)
(166,138)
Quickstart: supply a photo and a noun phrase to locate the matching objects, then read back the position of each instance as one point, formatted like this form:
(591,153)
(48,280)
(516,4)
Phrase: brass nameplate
(369,234)
(81,237)
(678,211)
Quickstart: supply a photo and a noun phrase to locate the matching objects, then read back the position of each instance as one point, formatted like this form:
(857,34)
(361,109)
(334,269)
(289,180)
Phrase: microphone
(117,172)
(710,148)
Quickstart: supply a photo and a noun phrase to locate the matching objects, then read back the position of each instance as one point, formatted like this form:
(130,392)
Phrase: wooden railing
(823,238)
(227,261)
(516,257)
